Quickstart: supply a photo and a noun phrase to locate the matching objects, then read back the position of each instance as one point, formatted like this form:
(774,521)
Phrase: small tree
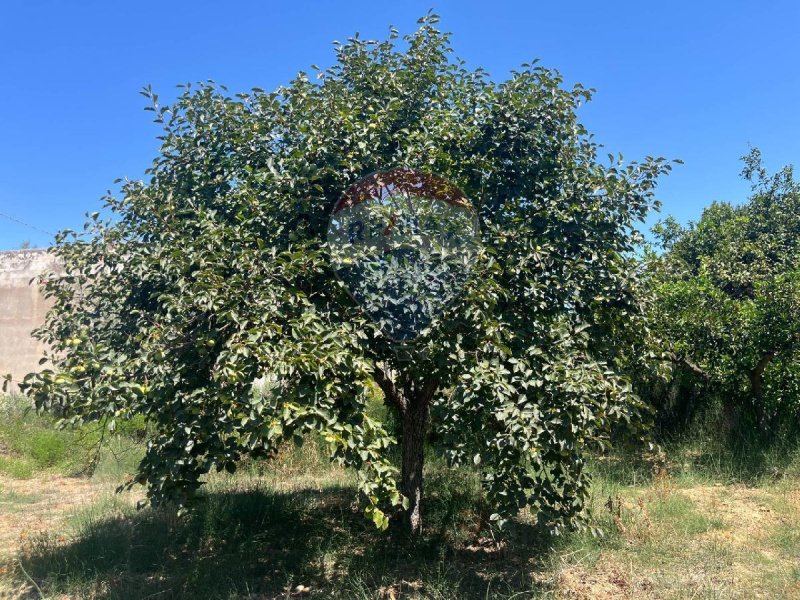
(727,304)
(216,272)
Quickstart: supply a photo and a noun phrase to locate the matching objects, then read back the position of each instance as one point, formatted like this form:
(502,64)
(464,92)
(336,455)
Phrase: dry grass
(665,539)
(292,528)
(31,506)
(693,541)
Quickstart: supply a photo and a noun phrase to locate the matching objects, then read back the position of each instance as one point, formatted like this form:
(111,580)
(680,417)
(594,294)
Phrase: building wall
(22,308)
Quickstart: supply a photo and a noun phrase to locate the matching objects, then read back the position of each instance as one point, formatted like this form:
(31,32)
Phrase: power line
(10,218)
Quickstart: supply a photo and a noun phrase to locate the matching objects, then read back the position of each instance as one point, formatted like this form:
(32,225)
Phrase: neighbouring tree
(215,273)
(727,302)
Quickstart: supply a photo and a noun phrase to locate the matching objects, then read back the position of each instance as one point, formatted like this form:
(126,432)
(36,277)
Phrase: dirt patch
(31,506)
(793,498)
(741,509)
(607,580)
(748,524)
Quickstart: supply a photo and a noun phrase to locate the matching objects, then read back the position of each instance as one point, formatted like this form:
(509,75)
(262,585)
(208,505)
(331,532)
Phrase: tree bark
(413,405)
(757,388)
(415,420)
(757,374)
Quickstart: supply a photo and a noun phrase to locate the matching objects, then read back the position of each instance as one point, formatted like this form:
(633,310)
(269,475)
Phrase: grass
(11,499)
(264,532)
(250,537)
(16,467)
(707,522)
(32,444)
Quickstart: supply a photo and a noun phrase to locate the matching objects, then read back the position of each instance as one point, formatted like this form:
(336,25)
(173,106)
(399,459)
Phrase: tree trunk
(757,375)
(413,405)
(415,420)
(757,387)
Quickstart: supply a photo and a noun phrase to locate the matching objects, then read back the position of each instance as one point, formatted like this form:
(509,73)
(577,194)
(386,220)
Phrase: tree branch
(429,389)
(390,392)
(689,364)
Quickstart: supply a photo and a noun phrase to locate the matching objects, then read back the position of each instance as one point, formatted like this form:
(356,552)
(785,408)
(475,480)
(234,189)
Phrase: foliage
(728,300)
(30,444)
(216,272)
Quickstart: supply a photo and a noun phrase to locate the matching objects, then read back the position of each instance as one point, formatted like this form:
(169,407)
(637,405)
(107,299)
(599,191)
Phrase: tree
(217,272)
(728,300)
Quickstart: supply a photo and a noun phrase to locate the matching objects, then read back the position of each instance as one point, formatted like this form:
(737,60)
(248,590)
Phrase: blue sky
(700,81)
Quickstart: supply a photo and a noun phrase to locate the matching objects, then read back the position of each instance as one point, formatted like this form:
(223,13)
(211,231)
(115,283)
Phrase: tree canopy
(727,303)
(216,272)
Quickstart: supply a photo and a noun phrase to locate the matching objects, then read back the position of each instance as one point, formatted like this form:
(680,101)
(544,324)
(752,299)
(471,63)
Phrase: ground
(697,521)
(40,504)
(287,531)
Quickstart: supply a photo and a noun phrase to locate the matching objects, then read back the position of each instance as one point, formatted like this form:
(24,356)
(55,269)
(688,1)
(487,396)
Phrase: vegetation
(216,273)
(31,444)
(727,306)
(205,343)
(702,523)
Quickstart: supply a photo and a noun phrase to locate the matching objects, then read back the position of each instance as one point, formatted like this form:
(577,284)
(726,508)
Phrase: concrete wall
(22,308)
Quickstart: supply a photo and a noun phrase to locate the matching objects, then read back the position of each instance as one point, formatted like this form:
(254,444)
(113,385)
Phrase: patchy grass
(253,538)
(17,467)
(11,499)
(293,529)
(674,539)
(698,522)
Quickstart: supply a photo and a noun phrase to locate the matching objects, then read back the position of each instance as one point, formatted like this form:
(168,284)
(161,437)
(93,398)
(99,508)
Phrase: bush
(47,448)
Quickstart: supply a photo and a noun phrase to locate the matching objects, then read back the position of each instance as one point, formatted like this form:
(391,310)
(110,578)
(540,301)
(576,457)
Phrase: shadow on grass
(261,543)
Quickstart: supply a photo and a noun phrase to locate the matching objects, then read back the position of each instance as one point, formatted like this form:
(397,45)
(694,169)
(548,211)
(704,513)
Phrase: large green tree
(727,301)
(216,272)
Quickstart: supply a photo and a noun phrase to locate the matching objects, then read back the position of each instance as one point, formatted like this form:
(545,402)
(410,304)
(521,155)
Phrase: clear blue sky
(700,81)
